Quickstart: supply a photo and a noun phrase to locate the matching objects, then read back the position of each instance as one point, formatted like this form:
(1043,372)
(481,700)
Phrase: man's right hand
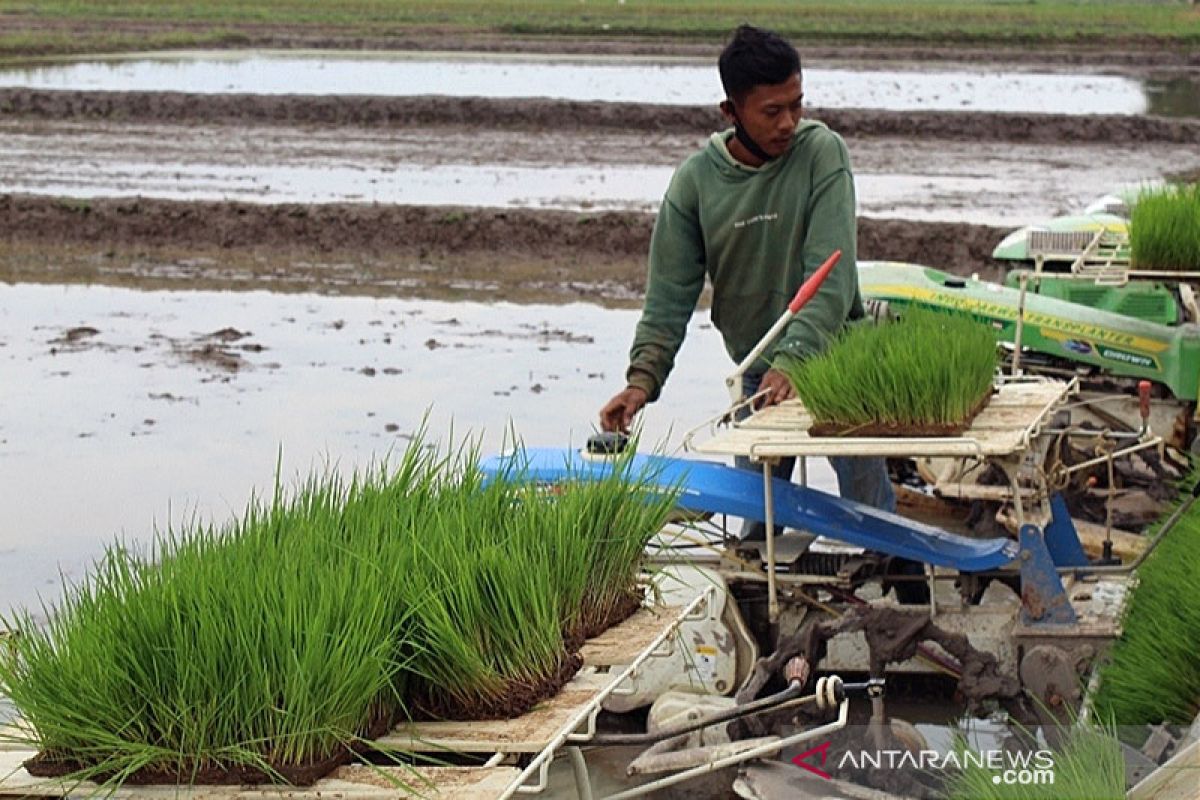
(618,413)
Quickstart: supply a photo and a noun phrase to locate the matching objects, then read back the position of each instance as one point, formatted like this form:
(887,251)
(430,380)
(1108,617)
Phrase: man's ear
(728,111)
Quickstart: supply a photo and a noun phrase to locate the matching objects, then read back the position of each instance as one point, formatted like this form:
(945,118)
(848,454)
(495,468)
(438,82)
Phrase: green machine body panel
(1117,344)
(1060,242)
(1016,246)
(1146,300)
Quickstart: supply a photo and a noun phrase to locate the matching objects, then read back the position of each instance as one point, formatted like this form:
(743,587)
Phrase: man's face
(770,114)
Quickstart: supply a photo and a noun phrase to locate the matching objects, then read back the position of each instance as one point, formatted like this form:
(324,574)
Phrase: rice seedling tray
(898,430)
(1005,426)
(348,782)
(533,732)
(569,715)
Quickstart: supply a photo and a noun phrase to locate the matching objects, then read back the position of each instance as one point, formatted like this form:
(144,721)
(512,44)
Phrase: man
(756,211)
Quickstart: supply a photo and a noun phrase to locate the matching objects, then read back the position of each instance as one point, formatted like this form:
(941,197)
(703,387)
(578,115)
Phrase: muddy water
(617,80)
(980,182)
(124,410)
(569,188)
(1174,95)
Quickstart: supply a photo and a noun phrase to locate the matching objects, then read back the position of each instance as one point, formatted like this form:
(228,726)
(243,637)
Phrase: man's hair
(755,57)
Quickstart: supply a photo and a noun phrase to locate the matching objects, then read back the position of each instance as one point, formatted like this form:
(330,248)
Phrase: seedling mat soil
(887,429)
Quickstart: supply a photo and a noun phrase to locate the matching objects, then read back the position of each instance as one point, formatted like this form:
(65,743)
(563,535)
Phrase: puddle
(1174,96)
(626,80)
(110,433)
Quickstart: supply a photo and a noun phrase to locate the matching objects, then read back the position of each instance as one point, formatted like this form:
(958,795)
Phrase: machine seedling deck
(1005,427)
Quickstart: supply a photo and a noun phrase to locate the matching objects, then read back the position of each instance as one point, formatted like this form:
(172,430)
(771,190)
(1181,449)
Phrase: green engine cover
(1146,300)
(1118,344)
(1016,246)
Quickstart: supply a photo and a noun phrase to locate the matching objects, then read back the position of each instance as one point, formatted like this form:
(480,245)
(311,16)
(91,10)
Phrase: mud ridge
(1137,52)
(425,233)
(537,114)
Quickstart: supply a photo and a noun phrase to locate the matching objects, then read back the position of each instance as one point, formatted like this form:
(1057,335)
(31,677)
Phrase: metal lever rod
(805,293)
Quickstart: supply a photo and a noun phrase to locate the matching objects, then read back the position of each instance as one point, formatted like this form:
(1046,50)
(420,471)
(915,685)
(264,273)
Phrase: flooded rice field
(131,408)
(682,82)
(125,410)
(979,182)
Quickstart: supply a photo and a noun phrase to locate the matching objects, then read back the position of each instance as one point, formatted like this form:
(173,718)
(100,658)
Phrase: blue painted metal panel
(1061,538)
(717,488)
(1043,599)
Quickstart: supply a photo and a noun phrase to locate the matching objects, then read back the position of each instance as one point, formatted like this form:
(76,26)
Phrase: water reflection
(629,80)
(127,409)
(1177,96)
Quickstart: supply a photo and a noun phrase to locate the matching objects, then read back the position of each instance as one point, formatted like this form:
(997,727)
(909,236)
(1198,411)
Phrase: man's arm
(673,284)
(830,225)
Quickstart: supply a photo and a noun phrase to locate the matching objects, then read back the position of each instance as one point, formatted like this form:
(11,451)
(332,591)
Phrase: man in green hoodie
(756,212)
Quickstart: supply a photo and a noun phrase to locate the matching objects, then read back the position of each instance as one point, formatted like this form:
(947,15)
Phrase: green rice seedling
(609,523)
(513,573)
(926,369)
(283,638)
(271,643)
(1164,228)
(1153,672)
(593,533)
(1089,766)
(486,615)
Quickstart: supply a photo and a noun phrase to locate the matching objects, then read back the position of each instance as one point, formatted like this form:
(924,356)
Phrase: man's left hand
(777,387)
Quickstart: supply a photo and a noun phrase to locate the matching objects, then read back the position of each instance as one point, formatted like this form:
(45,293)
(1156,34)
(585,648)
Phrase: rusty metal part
(797,670)
(893,635)
(1053,676)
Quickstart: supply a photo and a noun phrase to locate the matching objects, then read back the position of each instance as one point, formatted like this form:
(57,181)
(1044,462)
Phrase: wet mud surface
(220,354)
(628,80)
(387,249)
(537,114)
(997,183)
(1131,53)
(122,432)
(575,183)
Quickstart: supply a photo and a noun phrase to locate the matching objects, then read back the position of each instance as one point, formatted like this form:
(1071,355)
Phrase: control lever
(873,688)
(1144,404)
(608,443)
(805,293)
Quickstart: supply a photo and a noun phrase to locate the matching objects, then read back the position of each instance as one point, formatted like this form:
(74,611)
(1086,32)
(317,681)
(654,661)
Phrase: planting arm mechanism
(708,487)
(805,293)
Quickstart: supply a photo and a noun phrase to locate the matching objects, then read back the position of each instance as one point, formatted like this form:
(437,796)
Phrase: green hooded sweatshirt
(757,233)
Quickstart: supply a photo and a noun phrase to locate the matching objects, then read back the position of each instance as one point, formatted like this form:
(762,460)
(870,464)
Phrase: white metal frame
(569,734)
(800,444)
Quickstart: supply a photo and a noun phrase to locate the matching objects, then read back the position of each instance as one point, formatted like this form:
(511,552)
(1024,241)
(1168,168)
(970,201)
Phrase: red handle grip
(1144,398)
(810,286)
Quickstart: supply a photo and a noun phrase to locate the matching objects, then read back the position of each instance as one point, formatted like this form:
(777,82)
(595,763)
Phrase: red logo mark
(823,751)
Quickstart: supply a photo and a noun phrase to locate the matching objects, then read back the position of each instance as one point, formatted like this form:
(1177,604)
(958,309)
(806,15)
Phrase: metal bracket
(1062,540)
(1043,599)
